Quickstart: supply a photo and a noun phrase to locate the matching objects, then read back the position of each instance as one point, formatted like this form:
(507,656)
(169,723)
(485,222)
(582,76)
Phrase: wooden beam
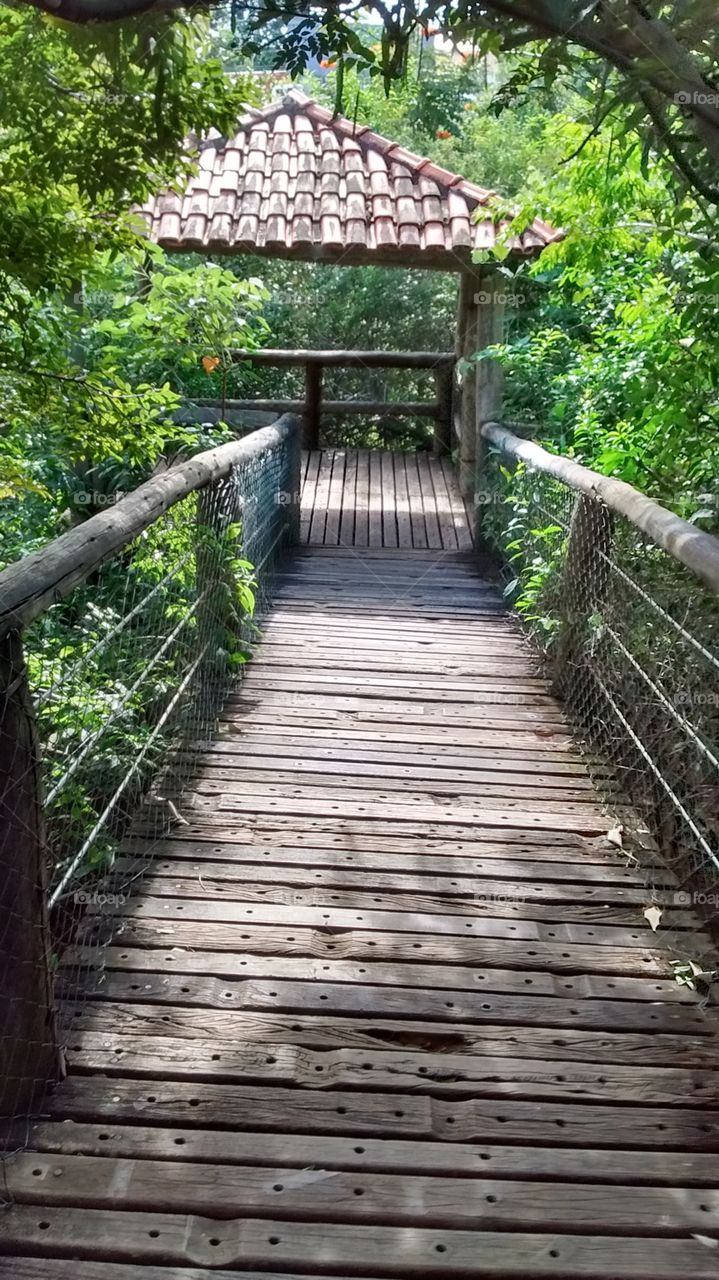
(352,408)
(281,357)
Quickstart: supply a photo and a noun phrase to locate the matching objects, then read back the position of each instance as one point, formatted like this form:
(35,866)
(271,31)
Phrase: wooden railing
(314,406)
(116,640)
(622,596)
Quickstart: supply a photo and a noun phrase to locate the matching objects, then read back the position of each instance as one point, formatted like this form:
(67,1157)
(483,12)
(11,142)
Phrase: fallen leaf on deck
(653,915)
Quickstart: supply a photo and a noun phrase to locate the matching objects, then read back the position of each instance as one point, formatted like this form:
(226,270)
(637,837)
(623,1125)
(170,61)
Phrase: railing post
(293,495)
(313,404)
(30,1055)
(442,439)
(584,583)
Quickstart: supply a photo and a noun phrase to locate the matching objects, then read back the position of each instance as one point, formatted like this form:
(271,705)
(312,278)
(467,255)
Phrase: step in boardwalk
(387,1004)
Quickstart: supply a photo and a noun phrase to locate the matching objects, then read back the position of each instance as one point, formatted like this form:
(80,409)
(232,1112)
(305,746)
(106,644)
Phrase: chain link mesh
(127,675)
(631,639)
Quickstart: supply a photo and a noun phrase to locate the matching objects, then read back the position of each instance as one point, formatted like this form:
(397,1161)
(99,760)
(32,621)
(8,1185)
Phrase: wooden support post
(490,331)
(442,439)
(30,1056)
(465,346)
(313,404)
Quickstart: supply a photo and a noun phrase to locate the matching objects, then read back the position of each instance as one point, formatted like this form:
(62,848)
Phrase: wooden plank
(375,1114)
(335,1196)
(134,1023)
(375,500)
(390,527)
(172,857)
(443,1075)
(420,530)
(338,909)
(440,531)
(229,786)
(404,914)
(362,501)
(73,1269)
(339,495)
(349,501)
(401,500)
(500,814)
(309,491)
(368,945)
(688,1169)
(219,964)
(340,999)
(462,896)
(321,498)
(240,1244)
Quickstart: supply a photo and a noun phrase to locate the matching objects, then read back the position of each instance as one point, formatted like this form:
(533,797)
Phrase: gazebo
(297,182)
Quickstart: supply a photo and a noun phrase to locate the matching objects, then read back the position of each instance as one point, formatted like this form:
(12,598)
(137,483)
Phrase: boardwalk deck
(363,499)
(387,1005)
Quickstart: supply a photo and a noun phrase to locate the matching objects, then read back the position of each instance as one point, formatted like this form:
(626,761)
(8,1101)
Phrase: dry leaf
(653,915)
(615,836)
(707,1240)
(210,363)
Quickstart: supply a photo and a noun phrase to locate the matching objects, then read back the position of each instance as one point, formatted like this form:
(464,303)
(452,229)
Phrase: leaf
(614,836)
(653,915)
(210,363)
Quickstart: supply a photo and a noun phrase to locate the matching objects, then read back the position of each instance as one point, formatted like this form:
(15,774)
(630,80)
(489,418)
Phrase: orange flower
(210,363)
(443,133)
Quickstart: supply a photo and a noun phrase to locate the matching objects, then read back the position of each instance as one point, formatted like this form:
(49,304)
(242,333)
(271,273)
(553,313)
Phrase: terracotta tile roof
(296,181)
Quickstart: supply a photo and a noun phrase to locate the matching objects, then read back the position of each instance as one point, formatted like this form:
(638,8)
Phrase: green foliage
(618,360)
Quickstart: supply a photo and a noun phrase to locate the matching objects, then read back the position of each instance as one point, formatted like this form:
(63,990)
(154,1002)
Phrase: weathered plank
(181,1239)
(137,1019)
(468,1160)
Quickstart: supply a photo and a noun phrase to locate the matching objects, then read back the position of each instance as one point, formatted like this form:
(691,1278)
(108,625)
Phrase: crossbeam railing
(118,643)
(622,596)
(315,406)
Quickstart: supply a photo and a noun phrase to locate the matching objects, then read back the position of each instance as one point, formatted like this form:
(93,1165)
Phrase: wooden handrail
(696,550)
(29,586)
(348,359)
(439,363)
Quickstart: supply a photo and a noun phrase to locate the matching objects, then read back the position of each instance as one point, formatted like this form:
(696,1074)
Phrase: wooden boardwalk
(388,1005)
(364,498)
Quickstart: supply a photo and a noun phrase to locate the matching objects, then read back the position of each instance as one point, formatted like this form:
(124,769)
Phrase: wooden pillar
(442,438)
(490,331)
(480,325)
(465,345)
(313,404)
(30,1056)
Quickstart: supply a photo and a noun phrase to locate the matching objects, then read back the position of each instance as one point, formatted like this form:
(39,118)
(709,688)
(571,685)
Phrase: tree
(662,59)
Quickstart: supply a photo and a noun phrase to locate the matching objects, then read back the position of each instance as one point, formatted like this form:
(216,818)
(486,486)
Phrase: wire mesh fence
(120,681)
(631,638)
